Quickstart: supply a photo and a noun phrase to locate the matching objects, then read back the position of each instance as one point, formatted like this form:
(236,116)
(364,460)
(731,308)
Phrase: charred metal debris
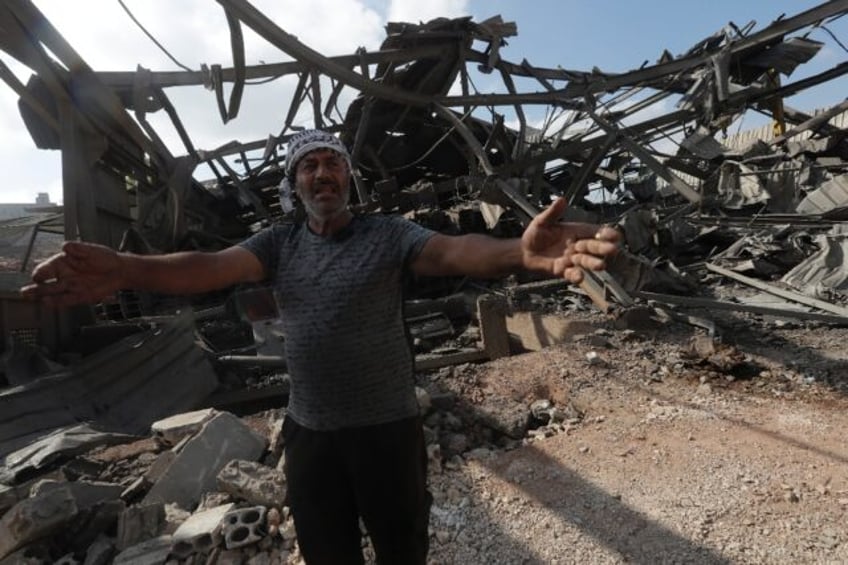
(749,223)
(647,150)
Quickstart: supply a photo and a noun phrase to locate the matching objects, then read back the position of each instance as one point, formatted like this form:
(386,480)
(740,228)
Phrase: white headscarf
(310,140)
(299,145)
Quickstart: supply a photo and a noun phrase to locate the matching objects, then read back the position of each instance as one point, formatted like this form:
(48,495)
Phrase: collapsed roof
(404,126)
(689,199)
(424,140)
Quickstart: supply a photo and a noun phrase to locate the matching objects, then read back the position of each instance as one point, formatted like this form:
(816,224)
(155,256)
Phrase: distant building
(13,211)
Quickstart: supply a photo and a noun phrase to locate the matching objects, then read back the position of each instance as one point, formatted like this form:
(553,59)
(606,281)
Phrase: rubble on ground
(104,456)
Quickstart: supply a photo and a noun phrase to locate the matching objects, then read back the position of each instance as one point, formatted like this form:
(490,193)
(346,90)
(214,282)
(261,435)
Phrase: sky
(612,35)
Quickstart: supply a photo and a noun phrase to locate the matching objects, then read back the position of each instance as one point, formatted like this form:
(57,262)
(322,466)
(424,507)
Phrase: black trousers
(378,473)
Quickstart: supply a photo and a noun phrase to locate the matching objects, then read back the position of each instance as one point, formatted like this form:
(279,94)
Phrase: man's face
(322,181)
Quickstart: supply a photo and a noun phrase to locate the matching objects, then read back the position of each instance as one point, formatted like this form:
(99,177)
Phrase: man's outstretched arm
(84,273)
(547,245)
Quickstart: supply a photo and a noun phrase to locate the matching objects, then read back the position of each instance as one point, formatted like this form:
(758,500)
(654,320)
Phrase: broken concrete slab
(201,532)
(195,468)
(253,482)
(138,523)
(150,552)
(537,330)
(171,430)
(163,371)
(86,493)
(35,518)
(100,552)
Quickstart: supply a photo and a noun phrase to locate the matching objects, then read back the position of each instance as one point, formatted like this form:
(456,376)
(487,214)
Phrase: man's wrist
(532,262)
(127,270)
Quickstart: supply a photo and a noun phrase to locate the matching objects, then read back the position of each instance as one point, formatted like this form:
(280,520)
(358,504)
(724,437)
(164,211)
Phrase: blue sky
(620,35)
(614,36)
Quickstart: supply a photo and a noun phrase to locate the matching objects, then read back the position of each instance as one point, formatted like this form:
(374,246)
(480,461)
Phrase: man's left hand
(564,249)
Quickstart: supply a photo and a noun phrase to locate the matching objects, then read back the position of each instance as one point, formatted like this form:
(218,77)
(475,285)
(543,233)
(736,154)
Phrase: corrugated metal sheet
(829,196)
(122,388)
(766,132)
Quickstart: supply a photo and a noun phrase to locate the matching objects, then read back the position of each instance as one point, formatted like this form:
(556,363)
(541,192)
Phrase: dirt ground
(666,450)
(652,444)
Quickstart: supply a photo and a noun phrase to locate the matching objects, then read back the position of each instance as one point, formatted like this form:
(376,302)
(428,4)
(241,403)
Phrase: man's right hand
(83,273)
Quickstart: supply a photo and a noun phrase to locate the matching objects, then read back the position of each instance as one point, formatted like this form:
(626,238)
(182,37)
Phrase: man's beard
(314,212)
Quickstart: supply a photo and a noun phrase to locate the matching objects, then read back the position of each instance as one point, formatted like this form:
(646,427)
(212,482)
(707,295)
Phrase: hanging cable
(153,39)
(834,37)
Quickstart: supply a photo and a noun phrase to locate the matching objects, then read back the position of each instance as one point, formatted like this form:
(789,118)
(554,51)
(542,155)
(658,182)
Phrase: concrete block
(35,518)
(169,431)
(253,482)
(201,532)
(151,552)
(196,466)
(244,526)
(537,330)
(491,312)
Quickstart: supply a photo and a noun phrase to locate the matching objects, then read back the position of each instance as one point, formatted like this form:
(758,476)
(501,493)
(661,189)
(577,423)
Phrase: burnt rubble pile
(691,199)
(202,487)
(714,224)
(197,486)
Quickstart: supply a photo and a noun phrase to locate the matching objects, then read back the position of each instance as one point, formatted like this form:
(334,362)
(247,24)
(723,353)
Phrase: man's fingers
(30,291)
(589,262)
(552,213)
(38,290)
(598,247)
(573,275)
(607,233)
(45,271)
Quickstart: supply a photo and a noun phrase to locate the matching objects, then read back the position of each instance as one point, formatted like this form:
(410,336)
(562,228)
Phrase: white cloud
(420,11)
(194,32)
(26,169)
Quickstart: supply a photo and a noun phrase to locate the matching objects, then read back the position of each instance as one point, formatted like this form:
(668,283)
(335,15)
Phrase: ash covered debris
(461,162)
(748,223)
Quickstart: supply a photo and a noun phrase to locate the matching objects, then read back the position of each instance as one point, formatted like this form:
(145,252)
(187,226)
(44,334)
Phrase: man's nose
(322,171)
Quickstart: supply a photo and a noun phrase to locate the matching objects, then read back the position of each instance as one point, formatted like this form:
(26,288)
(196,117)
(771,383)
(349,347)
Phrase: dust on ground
(668,450)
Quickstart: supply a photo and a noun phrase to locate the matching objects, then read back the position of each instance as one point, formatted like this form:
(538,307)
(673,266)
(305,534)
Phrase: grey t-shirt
(341,308)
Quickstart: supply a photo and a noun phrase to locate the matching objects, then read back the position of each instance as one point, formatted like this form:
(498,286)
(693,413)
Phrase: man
(354,445)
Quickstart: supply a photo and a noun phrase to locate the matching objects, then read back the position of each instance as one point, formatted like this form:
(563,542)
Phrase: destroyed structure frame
(418,148)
